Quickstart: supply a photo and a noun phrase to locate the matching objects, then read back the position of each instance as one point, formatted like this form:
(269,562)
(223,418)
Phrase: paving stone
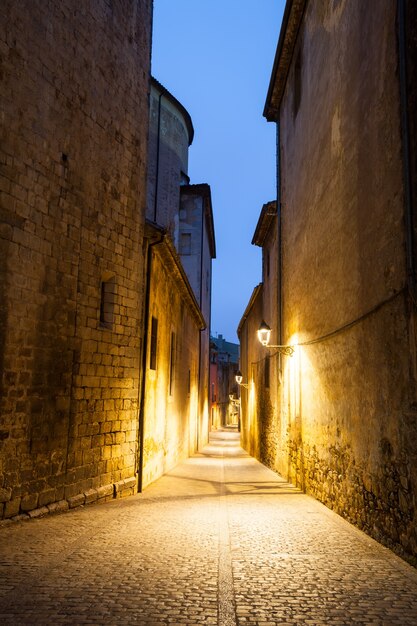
(220,518)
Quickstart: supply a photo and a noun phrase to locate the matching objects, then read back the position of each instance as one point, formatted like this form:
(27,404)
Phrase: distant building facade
(197,249)
(338,418)
(74,99)
(224,393)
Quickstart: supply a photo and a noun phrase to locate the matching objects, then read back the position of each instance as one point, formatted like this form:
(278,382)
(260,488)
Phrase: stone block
(71,491)
(75,501)
(91,495)
(20,518)
(58,507)
(125,487)
(40,512)
(5,495)
(47,497)
(29,502)
(12,508)
(105,491)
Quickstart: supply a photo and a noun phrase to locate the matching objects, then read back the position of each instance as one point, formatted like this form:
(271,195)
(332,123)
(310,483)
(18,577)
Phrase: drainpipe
(151,244)
(158,141)
(402,59)
(279,235)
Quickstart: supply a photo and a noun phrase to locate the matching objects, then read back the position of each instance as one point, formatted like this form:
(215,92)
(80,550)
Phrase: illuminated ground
(220,540)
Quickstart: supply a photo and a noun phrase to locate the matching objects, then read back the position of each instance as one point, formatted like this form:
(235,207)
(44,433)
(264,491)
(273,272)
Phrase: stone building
(184,212)
(171,393)
(197,248)
(224,396)
(171,133)
(338,418)
(73,153)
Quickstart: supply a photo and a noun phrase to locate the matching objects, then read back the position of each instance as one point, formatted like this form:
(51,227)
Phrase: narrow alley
(219,540)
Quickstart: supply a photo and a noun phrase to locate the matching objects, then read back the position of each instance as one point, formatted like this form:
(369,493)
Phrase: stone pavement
(219,540)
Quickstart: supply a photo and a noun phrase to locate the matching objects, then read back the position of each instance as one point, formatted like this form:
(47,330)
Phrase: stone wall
(74,102)
(343,412)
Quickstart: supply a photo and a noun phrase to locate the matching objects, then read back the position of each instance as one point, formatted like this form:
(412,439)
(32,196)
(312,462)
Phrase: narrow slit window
(185,243)
(154,342)
(107,302)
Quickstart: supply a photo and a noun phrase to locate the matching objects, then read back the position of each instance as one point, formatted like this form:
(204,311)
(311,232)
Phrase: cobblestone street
(219,540)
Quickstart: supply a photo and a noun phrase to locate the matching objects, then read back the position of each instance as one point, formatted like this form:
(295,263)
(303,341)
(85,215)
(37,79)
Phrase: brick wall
(74,85)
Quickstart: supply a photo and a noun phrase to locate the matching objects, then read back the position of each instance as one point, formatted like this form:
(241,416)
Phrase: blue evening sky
(215,57)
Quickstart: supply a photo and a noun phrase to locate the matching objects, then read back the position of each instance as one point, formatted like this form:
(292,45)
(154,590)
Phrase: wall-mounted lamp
(239,378)
(264,335)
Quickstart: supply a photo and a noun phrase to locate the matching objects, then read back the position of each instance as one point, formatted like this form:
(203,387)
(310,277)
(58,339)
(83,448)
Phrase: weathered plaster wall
(348,420)
(74,85)
(171,410)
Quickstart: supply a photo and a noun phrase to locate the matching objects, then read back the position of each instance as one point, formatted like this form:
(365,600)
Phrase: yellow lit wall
(171,409)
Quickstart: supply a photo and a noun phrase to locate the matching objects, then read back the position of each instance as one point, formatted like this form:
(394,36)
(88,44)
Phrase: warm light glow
(264,333)
(294,342)
(239,377)
(294,382)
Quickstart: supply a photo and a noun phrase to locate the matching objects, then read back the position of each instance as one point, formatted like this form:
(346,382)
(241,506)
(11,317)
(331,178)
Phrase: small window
(171,364)
(185,243)
(154,342)
(107,301)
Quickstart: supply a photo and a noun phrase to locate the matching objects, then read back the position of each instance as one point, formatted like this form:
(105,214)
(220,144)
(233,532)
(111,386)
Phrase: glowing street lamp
(239,378)
(264,336)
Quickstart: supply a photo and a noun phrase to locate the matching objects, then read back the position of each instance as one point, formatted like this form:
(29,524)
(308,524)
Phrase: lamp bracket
(287,350)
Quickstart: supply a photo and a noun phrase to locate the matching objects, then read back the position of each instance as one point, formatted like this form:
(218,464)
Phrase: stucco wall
(348,424)
(171,410)
(74,101)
